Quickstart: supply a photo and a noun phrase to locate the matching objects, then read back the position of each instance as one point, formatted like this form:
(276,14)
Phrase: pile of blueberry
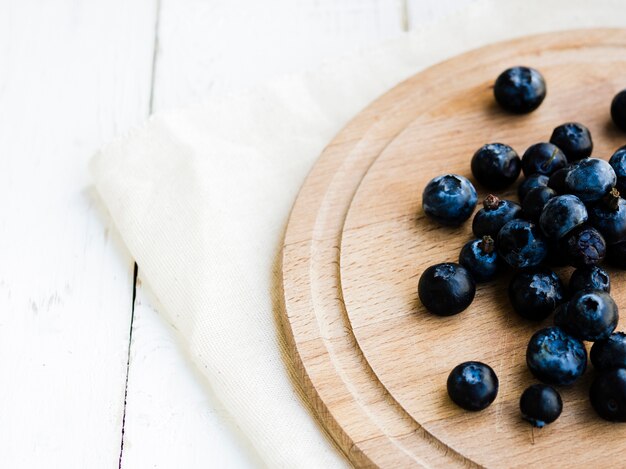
(570,212)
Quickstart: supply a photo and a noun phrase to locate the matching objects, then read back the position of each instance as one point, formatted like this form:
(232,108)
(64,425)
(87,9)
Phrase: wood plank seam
(130,341)
(155,51)
(404,15)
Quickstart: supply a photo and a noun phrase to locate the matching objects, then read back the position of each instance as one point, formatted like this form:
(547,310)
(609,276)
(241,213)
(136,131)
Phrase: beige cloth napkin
(201,198)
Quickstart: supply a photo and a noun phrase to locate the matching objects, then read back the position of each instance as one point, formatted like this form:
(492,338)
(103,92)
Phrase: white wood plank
(210,47)
(73,74)
(422,12)
(172,418)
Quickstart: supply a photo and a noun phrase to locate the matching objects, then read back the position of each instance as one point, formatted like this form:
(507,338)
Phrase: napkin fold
(201,197)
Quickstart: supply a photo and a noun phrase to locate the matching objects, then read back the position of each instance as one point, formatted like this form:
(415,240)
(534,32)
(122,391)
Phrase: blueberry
(589,278)
(616,255)
(561,215)
(584,246)
(618,163)
(521,244)
(557,180)
(535,293)
(591,315)
(496,165)
(540,404)
(535,180)
(609,353)
(472,385)
(618,109)
(446,289)
(555,357)
(535,200)
(494,215)
(608,395)
(574,140)
(449,199)
(480,258)
(542,158)
(609,217)
(590,179)
(520,89)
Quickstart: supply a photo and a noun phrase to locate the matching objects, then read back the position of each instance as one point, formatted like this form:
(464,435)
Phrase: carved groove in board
(358,172)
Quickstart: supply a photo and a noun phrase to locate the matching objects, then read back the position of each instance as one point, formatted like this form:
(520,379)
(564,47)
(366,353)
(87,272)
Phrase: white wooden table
(92,376)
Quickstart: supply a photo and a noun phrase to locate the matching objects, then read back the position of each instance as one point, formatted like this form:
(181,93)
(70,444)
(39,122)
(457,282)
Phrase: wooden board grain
(373,361)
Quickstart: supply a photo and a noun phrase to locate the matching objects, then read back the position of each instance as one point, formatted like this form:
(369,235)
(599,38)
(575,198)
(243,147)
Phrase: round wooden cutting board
(373,362)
